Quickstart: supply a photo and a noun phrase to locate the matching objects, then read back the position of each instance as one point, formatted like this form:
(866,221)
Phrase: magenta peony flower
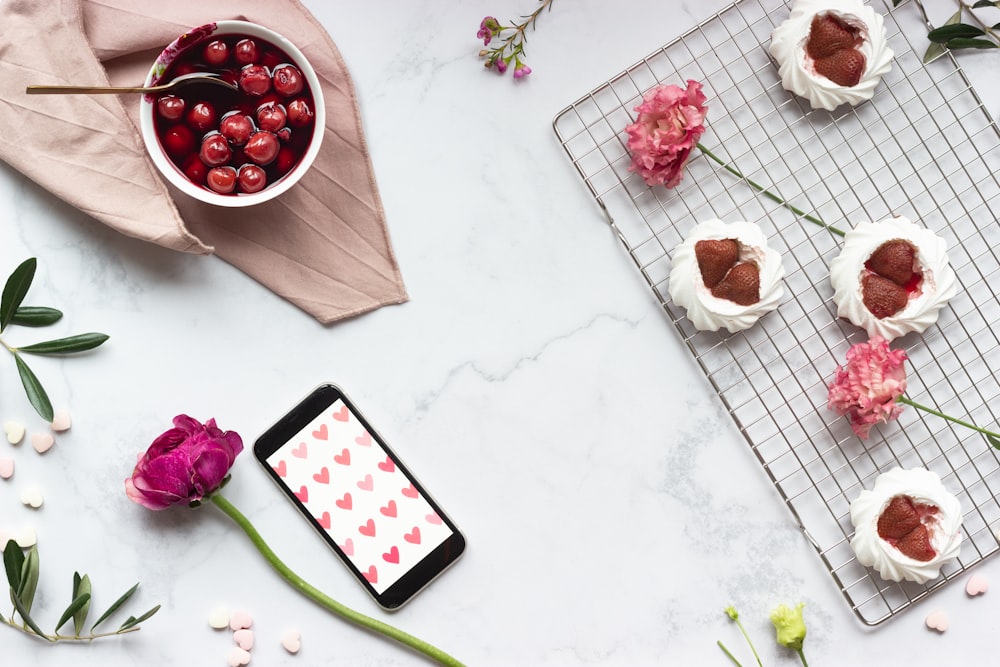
(487,28)
(867,389)
(671,120)
(184,464)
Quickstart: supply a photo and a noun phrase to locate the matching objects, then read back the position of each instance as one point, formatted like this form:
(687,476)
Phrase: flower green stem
(994,437)
(767,193)
(321,598)
(726,651)
(802,657)
(68,638)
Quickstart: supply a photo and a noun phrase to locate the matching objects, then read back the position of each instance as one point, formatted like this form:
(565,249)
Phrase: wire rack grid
(924,147)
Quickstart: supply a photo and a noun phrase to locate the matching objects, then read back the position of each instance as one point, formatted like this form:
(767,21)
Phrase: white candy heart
(937,620)
(244,639)
(26,537)
(291,641)
(14,431)
(237,657)
(219,618)
(42,442)
(61,421)
(32,496)
(6,468)
(976,586)
(240,620)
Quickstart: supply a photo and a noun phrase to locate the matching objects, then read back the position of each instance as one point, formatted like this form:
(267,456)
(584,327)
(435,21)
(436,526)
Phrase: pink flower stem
(321,598)
(767,193)
(994,438)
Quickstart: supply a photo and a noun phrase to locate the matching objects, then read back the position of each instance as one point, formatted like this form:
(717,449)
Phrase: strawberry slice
(741,285)
(882,297)
(893,260)
(898,519)
(715,258)
(828,34)
(917,544)
(844,68)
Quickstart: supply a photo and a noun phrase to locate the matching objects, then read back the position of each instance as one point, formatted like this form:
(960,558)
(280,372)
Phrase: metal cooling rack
(923,147)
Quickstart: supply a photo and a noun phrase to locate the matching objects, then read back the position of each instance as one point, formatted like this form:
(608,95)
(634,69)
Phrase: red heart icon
(368,529)
(348,547)
(325,520)
(371,575)
(433,518)
(390,509)
(321,433)
(343,458)
(341,415)
(281,469)
(365,439)
(346,502)
(300,452)
(410,491)
(392,556)
(323,476)
(387,465)
(302,494)
(367,484)
(413,537)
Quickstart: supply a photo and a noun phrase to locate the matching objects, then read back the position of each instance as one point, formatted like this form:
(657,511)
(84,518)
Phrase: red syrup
(182,137)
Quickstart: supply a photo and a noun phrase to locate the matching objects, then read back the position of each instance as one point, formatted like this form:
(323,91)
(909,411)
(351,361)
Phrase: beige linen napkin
(323,245)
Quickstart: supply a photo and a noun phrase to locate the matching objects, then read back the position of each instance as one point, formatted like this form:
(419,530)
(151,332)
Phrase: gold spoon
(184,79)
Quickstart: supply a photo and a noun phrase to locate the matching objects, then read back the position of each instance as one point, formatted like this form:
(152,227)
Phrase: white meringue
(709,313)
(938,285)
(944,527)
(797,70)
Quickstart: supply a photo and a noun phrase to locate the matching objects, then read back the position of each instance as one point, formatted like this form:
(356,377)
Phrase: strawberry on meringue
(907,526)
(892,277)
(725,275)
(831,52)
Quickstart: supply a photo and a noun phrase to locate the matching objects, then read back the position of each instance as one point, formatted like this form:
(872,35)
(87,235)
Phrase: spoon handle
(57,90)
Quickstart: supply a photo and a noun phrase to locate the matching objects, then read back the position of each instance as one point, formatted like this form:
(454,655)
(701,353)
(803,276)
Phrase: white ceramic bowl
(195,38)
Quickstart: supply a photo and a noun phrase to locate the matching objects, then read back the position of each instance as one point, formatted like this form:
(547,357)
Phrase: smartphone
(354,490)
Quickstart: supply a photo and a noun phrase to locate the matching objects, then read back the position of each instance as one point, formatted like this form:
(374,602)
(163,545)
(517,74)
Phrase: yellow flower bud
(789,625)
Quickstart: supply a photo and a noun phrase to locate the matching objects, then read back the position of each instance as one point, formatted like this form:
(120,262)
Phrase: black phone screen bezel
(420,575)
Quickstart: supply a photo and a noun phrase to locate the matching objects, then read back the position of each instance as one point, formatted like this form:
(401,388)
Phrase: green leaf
(76,605)
(26,617)
(35,316)
(29,578)
(81,586)
(78,343)
(13,561)
(993,440)
(114,607)
(14,290)
(946,33)
(936,50)
(33,388)
(956,44)
(985,3)
(132,621)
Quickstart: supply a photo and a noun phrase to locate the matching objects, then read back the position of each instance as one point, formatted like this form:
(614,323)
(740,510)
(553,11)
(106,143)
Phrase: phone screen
(360,497)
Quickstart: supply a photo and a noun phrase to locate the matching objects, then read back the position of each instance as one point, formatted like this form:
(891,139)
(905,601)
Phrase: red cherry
(288,80)
(236,127)
(195,169)
(222,179)
(262,148)
(271,117)
(286,160)
(202,117)
(299,113)
(245,52)
(255,80)
(178,141)
(215,150)
(284,134)
(216,52)
(251,178)
(170,107)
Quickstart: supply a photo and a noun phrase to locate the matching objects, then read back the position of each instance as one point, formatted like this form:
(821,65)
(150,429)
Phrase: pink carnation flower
(867,388)
(671,120)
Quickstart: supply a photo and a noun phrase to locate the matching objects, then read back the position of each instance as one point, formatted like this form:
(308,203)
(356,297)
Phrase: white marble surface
(611,507)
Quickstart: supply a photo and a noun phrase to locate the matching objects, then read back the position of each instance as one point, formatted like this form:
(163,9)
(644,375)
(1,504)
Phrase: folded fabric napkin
(323,245)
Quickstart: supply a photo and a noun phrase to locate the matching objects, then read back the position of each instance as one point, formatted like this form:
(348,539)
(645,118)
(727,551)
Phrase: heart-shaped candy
(14,431)
(6,468)
(61,421)
(26,537)
(976,585)
(219,618)
(244,639)
(42,442)
(32,496)
(239,620)
(238,656)
(291,641)
(937,620)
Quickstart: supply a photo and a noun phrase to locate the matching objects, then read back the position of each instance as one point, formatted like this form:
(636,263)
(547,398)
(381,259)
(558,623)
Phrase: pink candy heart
(244,639)
(291,641)
(238,657)
(976,586)
(239,620)
(6,468)
(937,620)
(42,442)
